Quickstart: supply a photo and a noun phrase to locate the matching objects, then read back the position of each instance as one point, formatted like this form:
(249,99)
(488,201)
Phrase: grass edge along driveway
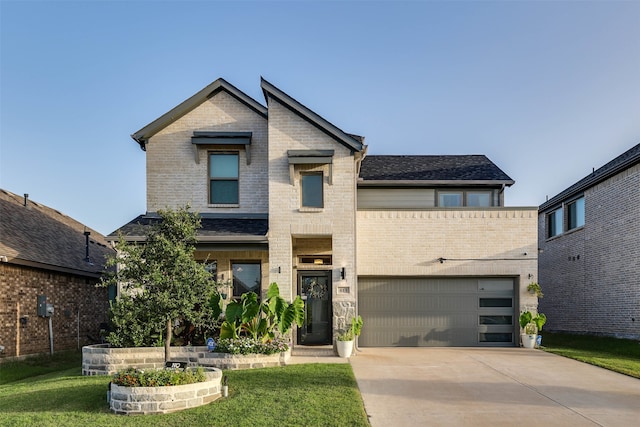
(294,395)
(615,354)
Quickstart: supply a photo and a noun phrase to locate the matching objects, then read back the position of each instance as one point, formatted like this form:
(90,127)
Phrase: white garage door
(417,312)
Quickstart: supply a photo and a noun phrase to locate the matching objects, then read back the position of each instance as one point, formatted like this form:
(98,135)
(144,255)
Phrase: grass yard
(615,354)
(39,365)
(296,395)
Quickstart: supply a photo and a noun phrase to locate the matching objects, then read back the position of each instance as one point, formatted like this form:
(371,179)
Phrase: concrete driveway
(490,387)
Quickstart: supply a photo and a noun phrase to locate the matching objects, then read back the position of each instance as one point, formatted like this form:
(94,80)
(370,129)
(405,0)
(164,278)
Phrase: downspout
(86,245)
(51,334)
(359,157)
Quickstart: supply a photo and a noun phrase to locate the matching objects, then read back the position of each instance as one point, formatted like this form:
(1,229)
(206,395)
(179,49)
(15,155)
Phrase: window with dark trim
(575,214)
(311,189)
(247,277)
(212,269)
(554,223)
(479,199)
(223,178)
(460,198)
(450,199)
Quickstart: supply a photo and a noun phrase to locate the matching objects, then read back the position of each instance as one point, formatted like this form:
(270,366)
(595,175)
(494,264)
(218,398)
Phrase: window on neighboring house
(575,214)
(479,198)
(223,178)
(554,223)
(450,199)
(311,184)
(246,278)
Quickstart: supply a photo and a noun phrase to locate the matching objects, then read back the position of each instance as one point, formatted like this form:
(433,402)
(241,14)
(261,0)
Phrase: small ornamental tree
(161,281)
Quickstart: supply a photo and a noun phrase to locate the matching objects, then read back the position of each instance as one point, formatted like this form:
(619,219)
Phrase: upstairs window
(311,184)
(575,214)
(479,199)
(554,223)
(462,198)
(450,199)
(223,178)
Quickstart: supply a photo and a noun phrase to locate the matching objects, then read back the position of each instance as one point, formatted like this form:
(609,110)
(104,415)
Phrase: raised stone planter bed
(100,359)
(160,400)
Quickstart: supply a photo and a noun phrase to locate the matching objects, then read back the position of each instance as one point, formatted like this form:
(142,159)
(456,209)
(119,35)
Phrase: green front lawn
(296,395)
(615,354)
(39,365)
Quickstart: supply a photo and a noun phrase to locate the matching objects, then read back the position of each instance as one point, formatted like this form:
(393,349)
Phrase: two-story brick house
(285,196)
(589,265)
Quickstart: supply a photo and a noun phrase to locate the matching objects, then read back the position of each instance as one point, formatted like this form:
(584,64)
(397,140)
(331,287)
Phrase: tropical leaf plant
(261,321)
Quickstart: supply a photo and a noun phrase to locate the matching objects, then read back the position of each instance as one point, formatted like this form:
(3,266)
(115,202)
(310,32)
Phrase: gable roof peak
(352,142)
(142,136)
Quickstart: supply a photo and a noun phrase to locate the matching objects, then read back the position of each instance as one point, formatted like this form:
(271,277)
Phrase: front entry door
(314,287)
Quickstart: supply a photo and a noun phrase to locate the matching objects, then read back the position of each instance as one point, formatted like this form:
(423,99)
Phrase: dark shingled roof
(42,237)
(432,168)
(213,228)
(624,161)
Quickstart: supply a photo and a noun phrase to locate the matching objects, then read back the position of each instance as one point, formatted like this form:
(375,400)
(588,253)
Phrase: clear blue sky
(547,90)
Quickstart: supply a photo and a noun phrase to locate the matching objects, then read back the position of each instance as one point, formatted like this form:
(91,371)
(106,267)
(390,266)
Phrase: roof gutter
(431,183)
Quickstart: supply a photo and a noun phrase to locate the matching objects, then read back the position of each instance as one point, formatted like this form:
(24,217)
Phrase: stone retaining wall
(160,400)
(100,359)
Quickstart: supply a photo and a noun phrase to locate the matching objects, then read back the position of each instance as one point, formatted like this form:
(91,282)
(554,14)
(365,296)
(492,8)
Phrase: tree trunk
(167,342)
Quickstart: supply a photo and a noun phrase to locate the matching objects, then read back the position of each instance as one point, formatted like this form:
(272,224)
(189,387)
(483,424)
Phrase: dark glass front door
(315,289)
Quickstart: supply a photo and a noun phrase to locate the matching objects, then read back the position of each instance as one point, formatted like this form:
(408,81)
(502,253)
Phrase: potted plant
(534,289)
(531,325)
(540,319)
(345,340)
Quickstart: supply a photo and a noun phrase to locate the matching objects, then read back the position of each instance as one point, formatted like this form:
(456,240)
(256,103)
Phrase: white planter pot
(528,340)
(345,348)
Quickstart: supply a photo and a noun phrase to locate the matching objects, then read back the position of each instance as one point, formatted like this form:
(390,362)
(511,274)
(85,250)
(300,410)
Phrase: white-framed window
(311,188)
(223,178)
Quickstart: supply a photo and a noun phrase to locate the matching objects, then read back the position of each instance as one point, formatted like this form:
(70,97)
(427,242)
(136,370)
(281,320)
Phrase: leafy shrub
(132,377)
(133,323)
(260,320)
(248,345)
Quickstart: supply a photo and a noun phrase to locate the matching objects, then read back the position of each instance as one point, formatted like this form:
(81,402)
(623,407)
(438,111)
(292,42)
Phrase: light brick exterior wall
(175,179)
(69,294)
(591,276)
(489,242)
(336,220)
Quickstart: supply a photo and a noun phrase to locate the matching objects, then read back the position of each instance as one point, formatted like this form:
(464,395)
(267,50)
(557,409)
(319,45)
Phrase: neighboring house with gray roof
(421,246)
(46,253)
(589,265)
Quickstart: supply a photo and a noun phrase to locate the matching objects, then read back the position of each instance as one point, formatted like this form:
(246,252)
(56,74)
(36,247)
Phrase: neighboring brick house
(45,253)
(421,246)
(589,265)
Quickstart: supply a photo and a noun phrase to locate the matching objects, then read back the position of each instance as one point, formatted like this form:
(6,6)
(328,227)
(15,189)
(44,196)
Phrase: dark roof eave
(34,264)
(344,138)
(203,239)
(432,183)
(143,135)
(605,172)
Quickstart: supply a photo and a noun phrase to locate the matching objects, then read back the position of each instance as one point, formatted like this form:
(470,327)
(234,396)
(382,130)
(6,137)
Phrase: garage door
(416,312)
